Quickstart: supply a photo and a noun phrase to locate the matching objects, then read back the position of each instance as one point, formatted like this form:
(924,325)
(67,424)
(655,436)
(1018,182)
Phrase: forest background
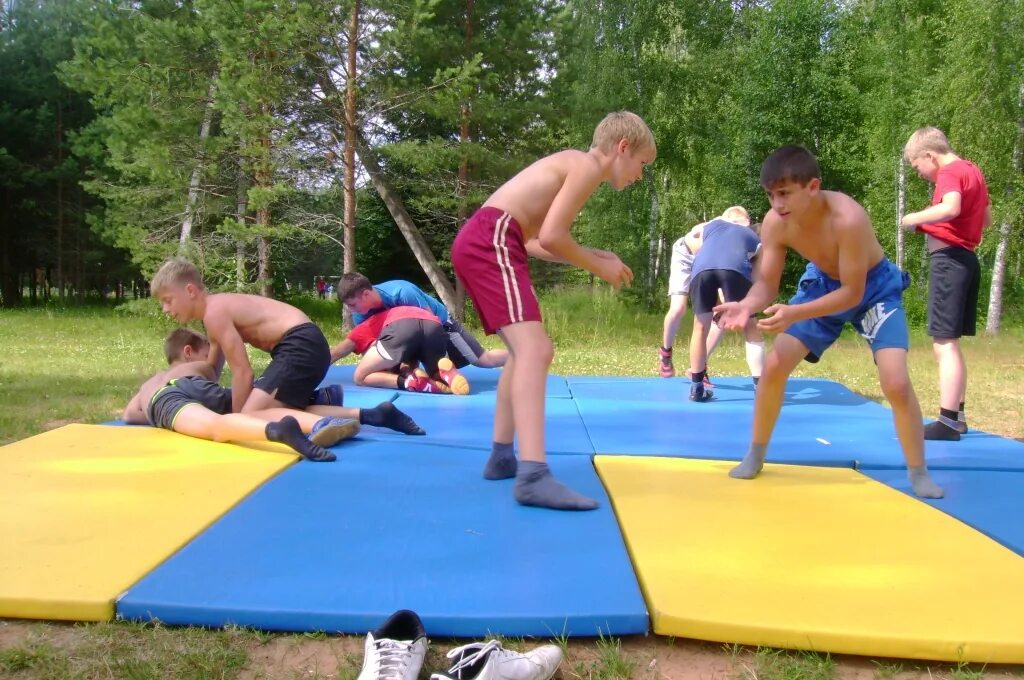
(275,142)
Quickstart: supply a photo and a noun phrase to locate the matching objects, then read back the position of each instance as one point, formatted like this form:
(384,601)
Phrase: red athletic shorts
(490,258)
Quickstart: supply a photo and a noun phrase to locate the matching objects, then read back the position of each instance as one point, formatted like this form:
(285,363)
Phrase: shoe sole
(332,434)
(456,381)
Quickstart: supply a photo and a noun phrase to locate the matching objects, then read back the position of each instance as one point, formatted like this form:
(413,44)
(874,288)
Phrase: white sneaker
(491,661)
(395,651)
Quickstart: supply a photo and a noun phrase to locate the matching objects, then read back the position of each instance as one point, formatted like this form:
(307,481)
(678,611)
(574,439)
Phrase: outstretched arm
(767,274)
(342,350)
(555,238)
(226,335)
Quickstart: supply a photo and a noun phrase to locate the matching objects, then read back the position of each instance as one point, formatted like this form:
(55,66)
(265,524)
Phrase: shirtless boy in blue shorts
(848,280)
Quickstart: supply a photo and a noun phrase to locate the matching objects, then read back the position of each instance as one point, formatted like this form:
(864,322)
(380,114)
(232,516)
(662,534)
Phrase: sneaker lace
(393,658)
(482,649)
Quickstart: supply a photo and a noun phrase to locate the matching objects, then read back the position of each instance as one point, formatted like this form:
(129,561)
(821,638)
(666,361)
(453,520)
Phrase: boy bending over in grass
(393,343)
(532,213)
(848,280)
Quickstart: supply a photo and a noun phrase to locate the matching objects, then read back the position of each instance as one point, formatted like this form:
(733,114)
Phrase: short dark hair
(790,163)
(180,338)
(352,284)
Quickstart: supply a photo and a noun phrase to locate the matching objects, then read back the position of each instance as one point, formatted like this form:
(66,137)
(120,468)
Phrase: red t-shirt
(366,333)
(963,230)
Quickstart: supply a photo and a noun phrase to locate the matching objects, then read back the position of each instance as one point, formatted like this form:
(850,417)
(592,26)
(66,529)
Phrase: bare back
(136,410)
(529,194)
(817,239)
(261,322)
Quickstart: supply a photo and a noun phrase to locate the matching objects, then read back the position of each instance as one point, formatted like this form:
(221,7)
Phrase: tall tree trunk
(901,203)
(192,202)
(60,198)
(263,280)
(995,300)
(405,223)
(393,201)
(652,242)
(462,189)
(241,210)
(349,256)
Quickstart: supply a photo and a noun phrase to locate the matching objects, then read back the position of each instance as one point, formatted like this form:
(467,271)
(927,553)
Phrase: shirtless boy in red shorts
(532,214)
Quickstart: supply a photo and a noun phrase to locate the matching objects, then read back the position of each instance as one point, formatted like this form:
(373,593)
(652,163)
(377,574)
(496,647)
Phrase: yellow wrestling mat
(87,510)
(813,558)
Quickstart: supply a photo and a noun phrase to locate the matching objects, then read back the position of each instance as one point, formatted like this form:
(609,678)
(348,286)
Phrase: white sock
(755,357)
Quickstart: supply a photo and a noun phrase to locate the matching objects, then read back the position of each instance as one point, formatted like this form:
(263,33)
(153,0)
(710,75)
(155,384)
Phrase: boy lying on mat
(186,398)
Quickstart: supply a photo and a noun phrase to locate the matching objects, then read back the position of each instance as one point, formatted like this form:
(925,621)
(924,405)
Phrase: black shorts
(704,288)
(411,341)
(299,362)
(954,277)
(462,348)
(168,401)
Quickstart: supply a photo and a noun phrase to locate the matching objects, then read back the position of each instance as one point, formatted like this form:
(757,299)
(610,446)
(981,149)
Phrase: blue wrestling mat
(467,422)
(340,547)
(817,421)
(481,381)
(990,502)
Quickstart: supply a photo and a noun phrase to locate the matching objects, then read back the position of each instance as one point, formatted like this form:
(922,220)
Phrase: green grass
(82,365)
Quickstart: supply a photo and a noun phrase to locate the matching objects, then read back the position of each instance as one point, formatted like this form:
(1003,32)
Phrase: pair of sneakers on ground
(396,650)
(451,382)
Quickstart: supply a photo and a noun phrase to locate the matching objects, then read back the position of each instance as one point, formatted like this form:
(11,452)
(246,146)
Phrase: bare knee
(897,388)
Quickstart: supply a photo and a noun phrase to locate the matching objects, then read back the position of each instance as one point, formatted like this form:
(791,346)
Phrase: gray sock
(502,463)
(751,464)
(535,485)
(922,483)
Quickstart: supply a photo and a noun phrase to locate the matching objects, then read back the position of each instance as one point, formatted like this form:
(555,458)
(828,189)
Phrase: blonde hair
(621,125)
(737,212)
(176,272)
(180,338)
(926,139)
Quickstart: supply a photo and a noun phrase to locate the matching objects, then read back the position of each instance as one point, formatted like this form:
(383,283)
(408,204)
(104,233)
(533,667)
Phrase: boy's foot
(536,486)
(328,395)
(707,377)
(456,381)
(419,383)
(287,431)
(491,661)
(502,463)
(698,392)
(939,431)
(750,466)
(922,483)
(386,414)
(395,651)
(665,367)
(329,431)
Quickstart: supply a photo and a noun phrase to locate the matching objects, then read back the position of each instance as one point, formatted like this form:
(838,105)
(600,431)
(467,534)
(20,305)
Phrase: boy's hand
(612,270)
(731,316)
(779,318)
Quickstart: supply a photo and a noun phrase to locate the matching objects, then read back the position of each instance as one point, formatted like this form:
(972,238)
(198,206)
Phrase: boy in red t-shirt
(393,343)
(953,224)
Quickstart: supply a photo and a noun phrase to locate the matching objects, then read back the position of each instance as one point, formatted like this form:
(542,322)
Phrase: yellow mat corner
(87,510)
(813,558)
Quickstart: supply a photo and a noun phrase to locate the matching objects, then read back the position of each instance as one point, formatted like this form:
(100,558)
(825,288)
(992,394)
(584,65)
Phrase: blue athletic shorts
(879,317)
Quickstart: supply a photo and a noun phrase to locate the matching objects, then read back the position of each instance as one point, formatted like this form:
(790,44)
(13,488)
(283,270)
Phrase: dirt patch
(319,657)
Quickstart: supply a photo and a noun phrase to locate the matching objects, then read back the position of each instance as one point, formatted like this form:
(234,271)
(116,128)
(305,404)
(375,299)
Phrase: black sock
(287,431)
(699,376)
(940,431)
(756,378)
(386,414)
(947,413)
